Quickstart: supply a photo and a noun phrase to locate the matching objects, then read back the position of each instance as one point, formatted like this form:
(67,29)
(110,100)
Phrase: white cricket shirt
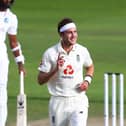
(8,25)
(64,82)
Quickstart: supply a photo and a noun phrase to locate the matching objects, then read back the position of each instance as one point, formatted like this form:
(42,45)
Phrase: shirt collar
(60,49)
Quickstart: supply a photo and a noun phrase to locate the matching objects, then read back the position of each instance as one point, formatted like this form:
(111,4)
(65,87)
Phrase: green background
(101,28)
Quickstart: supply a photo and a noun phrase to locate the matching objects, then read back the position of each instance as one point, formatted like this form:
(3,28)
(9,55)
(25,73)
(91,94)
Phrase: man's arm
(90,70)
(16,49)
(44,77)
(88,78)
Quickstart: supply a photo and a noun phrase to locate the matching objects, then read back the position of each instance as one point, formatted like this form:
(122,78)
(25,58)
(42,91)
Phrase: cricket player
(8,26)
(62,67)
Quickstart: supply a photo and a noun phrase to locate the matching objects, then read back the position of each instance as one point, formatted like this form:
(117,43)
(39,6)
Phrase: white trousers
(68,111)
(4,63)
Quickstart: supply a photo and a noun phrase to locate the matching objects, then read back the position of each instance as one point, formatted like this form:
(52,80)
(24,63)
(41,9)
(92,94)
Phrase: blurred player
(8,26)
(62,67)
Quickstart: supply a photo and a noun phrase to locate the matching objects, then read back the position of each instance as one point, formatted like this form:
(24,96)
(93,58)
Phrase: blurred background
(102,29)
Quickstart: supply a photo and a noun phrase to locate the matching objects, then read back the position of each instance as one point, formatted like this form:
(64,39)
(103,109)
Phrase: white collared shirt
(8,24)
(64,82)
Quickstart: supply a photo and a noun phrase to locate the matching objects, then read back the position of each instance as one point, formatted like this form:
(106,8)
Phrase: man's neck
(67,47)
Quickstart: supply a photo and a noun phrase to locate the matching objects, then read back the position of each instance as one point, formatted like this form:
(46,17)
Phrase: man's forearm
(44,77)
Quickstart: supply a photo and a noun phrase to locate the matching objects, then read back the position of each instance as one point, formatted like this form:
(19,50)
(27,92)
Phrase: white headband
(67,26)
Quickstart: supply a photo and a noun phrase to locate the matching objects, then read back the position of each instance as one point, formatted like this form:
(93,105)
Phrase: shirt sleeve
(14,25)
(45,64)
(88,60)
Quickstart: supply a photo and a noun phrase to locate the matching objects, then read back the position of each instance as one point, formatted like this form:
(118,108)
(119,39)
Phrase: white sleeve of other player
(14,25)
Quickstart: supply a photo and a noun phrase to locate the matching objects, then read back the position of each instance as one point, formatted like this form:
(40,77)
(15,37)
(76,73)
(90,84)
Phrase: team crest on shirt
(6,20)
(78,58)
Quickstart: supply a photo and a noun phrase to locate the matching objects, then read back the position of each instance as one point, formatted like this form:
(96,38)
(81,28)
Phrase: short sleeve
(14,24)
(88,60)
(45,64)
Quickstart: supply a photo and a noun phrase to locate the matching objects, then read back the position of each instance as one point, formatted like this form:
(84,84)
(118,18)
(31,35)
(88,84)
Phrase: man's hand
(60,61)
(83,86)
(21,68)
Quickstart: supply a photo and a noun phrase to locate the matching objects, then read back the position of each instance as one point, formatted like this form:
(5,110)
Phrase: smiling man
(62,67)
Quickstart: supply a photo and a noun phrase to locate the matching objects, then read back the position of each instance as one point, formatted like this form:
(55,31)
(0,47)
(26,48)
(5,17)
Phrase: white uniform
(67,104)
(8,25)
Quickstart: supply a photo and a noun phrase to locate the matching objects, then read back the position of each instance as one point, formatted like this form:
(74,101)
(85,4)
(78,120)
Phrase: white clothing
(67,106)
(64,111)
(8,25)
(64,82)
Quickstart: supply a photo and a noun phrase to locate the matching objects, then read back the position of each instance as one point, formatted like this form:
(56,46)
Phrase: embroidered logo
(6,20)
(78,58)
